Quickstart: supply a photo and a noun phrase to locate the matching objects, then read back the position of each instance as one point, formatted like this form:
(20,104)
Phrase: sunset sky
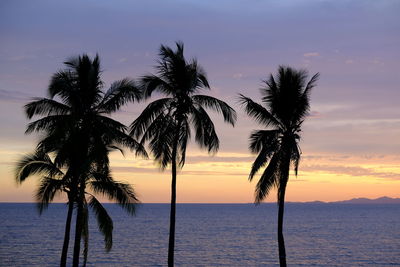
(350,141)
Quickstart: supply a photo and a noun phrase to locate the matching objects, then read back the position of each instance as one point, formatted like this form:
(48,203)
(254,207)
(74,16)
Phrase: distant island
(381,200)
(361,200)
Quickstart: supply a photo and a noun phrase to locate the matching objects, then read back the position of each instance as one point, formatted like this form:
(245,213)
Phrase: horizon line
(243,203)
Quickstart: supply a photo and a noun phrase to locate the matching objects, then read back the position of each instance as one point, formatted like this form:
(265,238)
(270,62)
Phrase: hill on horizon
(360,200)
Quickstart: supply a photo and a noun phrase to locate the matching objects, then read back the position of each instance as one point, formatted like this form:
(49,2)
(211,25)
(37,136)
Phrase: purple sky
(355,45)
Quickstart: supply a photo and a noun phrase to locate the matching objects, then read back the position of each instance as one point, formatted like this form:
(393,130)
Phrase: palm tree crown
(79,134)
(55,180)
(82,112)
(285,106)
(166,118)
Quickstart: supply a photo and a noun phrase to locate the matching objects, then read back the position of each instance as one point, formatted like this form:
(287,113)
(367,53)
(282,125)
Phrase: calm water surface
(212,235)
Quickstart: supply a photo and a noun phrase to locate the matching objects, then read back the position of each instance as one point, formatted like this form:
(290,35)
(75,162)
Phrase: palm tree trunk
(171,243)
(78,229)
(281,241)
(281,204)
(63,262)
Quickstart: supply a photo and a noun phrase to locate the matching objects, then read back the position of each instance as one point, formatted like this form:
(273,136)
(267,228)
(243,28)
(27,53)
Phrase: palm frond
(266,143)
(45,106)
(206,135)
(184,136)
(150,83)
(303,104)
(311,84)
(258,112)
(104,221)
(120,93)
(36,163)
(63,84)
(198,76)
(46,192)
(114,147)
(101,176)
(122,193)
(217,105)
(108,123)
(260,161)
(295,158)
(48,124)
(148,115)
(268,179)
(132,144)
(112,134)
(260,139)
(160,135)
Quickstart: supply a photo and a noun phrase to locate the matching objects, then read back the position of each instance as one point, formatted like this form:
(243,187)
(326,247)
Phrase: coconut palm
(55,180)
(285,105)
(76,127)
(166,123)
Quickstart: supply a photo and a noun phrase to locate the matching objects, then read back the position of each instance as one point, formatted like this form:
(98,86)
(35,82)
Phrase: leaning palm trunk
(171,243)
(63,262)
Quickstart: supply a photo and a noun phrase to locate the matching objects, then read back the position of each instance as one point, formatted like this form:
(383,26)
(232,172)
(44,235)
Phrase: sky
(350,142)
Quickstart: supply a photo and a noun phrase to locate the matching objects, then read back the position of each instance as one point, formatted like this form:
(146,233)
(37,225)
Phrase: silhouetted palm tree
(77,129)
(166,122)
(286,100)
(53,181)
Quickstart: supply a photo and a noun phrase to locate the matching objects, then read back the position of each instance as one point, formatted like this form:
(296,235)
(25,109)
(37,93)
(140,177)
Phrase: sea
(211,235)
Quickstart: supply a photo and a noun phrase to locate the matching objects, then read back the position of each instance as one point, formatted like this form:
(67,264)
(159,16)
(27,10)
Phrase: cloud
(315,114)
(378,61)
(122,60)
(201,159)
(237,76)
(6,95)
(154,170)
(355,171)
(311,54)
(22,57)
(349,61)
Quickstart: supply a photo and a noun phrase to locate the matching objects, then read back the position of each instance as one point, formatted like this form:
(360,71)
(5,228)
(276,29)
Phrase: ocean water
(212,235)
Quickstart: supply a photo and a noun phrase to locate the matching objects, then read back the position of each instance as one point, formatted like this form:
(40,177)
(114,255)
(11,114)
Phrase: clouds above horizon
(353,44)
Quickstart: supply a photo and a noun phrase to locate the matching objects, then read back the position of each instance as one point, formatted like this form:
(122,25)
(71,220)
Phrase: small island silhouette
(361,200)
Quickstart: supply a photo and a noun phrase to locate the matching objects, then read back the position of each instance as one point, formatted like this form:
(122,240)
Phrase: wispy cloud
(122,60)
(356,171)
(237,75)
(136,170)
(16,96)
(315,114)
(201,159)
(311,54)
(22,57)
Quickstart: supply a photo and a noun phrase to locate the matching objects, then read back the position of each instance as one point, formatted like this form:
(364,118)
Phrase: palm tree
(55,181)
(286,100)
(166,123)
(77,129)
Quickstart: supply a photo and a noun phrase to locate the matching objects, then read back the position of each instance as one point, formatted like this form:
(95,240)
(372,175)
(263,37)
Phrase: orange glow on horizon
(223,179)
